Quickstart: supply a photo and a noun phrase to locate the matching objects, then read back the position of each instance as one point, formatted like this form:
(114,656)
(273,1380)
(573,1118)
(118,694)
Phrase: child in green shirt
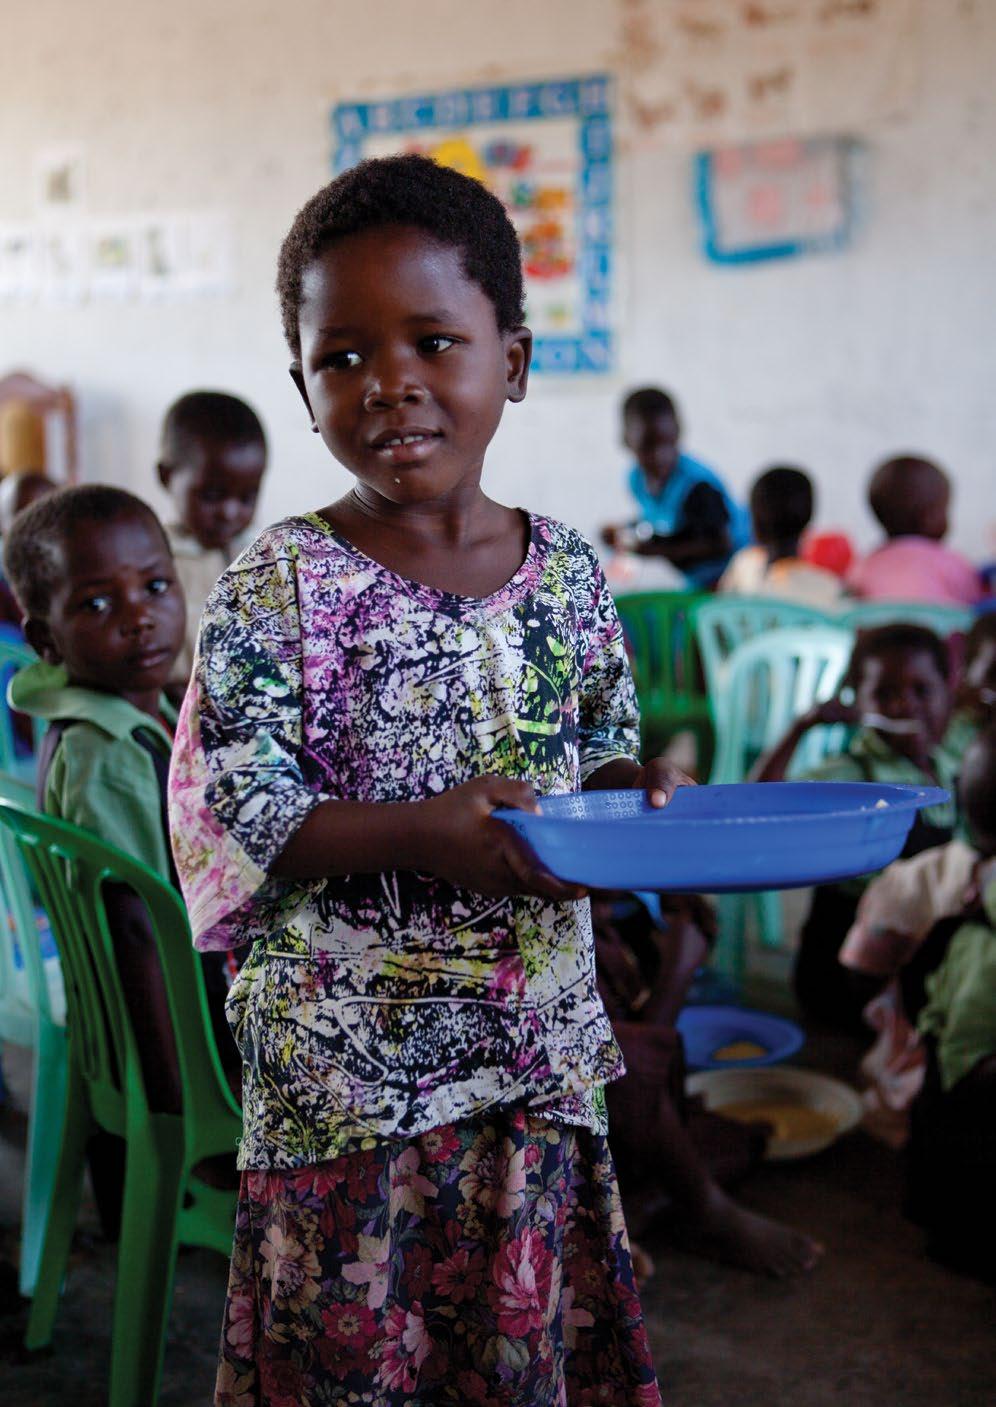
(93,574)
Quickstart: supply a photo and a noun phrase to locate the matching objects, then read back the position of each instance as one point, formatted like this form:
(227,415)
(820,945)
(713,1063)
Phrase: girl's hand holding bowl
(459,840)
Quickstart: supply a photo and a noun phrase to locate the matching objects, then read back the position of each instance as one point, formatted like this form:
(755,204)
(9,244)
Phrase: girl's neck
(468,545)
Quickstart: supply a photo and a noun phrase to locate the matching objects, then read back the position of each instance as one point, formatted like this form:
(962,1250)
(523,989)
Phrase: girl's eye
(96,604)
(158,586)
(343,361)
(436,343)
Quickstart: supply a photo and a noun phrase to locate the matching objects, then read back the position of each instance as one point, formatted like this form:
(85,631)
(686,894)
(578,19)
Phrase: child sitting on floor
(910,497)
(899,678)
(781,507)
(952,1153)
(92,571)
(671,1155)
(211,461)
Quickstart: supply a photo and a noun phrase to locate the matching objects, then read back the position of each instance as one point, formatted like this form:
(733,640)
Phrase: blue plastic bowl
(706,1029)
(729,838)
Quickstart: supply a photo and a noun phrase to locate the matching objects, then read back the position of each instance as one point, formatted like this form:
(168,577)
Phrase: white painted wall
(831,361)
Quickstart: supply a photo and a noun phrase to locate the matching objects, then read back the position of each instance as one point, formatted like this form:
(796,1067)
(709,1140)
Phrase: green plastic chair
(725,621)
(944,620)
(165,1204)
(14,655)
(667,670)
(32,1014)
(768,682)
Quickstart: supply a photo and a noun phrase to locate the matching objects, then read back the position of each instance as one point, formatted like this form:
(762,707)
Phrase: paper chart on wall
(545,150)
(702,72)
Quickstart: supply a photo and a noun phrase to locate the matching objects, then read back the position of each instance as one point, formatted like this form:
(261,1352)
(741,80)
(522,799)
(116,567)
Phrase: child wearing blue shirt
(687,515)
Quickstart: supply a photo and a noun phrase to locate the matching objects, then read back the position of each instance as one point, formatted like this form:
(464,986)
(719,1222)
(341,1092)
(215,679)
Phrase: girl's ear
(518,356)
(39,637)
(297,376)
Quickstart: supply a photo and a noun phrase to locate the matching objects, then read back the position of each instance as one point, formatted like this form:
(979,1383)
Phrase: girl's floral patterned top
(375,1006)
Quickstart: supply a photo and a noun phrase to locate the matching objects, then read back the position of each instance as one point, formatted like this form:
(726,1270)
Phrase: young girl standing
(429,1211)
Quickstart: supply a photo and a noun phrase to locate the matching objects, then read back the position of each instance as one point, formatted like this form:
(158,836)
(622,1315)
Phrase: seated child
(952,1154)
(211,461)
(17,492)
(92,570)
(686,515)
(661,1149)
(781,507)
(975,696)
(910,497)
(899,677)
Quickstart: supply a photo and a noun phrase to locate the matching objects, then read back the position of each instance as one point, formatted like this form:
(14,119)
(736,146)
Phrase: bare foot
(729,1232)
(643,1266)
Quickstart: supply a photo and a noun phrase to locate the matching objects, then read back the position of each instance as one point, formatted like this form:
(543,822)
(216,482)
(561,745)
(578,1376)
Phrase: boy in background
(781,507)
(92,571)
(211,462)
(910,497)
(686,515)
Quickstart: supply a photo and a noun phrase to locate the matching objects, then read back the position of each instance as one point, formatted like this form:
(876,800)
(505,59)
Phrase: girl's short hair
(898,636)
(31,556)
(407,190)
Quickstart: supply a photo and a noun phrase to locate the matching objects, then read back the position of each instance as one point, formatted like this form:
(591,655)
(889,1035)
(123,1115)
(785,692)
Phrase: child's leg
(656,1155)
(951,1168)
(823,987)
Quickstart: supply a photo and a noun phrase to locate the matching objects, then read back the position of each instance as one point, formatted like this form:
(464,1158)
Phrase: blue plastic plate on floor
(734,837)
(712,1035)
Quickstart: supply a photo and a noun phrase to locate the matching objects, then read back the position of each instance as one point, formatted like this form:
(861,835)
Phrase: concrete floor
(876,1323)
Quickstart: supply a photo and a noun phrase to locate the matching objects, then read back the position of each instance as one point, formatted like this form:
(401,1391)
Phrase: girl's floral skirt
(485,1262)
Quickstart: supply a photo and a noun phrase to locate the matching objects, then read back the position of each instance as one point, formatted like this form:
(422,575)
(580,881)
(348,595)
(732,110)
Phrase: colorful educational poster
(770,200)
(545,149)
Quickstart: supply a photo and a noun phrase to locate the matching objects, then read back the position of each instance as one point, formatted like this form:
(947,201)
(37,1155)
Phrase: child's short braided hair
(31,555)
(407,190)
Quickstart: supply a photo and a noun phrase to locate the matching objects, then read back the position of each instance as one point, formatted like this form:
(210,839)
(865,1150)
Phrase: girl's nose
(391,384)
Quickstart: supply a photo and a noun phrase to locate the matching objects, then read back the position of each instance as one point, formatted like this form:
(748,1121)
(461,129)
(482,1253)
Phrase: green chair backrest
(944,620)
(658,629)
(19,926)
(14,655)
(72,869)
(723,622)
(768,682)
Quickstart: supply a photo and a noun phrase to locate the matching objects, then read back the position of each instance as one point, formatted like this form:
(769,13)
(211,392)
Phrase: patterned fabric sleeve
(609,713)
(237,787)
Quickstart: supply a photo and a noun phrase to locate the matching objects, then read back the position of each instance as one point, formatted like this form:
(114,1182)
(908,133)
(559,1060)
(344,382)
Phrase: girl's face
(403,369)
(905,685)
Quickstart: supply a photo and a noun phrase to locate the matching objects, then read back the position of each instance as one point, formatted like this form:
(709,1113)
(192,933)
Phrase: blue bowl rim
(909,797)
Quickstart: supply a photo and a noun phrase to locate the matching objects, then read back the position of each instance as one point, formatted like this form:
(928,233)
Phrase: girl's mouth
(406,447)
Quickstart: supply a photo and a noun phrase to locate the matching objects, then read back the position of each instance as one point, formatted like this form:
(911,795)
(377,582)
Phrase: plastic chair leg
(770,920)
(146,1260)
(63,1209)
(730,954)
(48,1103)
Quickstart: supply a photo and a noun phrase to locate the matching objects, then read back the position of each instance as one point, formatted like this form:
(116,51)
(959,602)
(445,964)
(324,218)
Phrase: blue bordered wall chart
(546,150)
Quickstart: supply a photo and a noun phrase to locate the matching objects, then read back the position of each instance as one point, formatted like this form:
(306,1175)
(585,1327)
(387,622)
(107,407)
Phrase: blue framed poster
(775,199)
(545,149)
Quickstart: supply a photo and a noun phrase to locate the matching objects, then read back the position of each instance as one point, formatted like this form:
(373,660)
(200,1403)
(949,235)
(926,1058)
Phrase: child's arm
(453,835)
(774,764)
